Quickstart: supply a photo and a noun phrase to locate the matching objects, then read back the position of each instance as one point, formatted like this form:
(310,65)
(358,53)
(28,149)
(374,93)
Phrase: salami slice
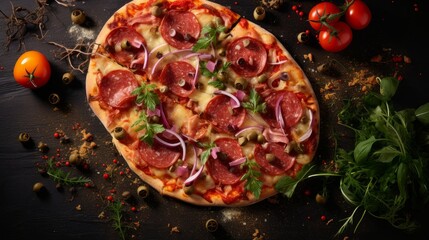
(290,105)
(224,118)
(158,155)
(116,87)
(124,44)
(219,168)
(277,166)
(248,56)
(179,77)
(181,29)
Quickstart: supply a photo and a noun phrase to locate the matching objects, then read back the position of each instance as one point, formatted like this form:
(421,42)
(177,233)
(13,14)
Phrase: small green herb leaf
(422,113)
(146,95)
(388,87)
(286,185)
(62,177)
(151,129)
(206,153)
(209,37)
(254,104)
(253,183)
(387,154)
(363,148)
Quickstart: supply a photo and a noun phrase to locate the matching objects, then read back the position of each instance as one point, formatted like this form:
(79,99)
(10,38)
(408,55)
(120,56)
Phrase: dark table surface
(397,29)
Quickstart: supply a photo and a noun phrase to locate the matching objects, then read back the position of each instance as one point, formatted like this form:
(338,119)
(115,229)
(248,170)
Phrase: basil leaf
(422,113)
(387,154)
(363,148)
(388,87)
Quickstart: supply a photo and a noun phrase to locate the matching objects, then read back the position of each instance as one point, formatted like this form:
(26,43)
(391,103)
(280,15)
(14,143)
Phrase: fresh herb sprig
(255,104)
(151,129)
(206,153)
(209,37)
(116,209)
(146,95)
(216,79)
(253,183)
(62,177)
(385,174)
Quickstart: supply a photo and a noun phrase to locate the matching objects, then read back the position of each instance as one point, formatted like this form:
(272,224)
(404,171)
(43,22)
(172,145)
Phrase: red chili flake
(301,13)
(56,135)
(294,8)
(323,218)
(109,198)
(397,59)
(1,68)
(134,209)
(307,192)
(106,176)
(297,11)
(400,77)
(235,3)
(58,164)
(85,166)
(87,185)
(112,190)
(67,163)
(115,161)
(121,173)
(307,32)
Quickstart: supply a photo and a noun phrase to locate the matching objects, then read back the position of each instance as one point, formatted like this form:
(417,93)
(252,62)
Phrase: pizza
(204,105)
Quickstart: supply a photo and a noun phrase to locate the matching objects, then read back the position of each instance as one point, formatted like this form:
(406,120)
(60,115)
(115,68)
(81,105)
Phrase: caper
(252,135)
(221,76)
(221,52)
(259,13)
(24,137)
(242,141)
(320,199)
(125,45)
(119,133)
(154,119)
(302,37)
(239,83)
(270,157)
(143,191)
(262,78)
(38,187)
(54,98)
(156,10)
(75,159)
(284,76)
(163,89)
(211,225)
(188,189)
(78,17)
(261,138)
(67,78)
(43,147)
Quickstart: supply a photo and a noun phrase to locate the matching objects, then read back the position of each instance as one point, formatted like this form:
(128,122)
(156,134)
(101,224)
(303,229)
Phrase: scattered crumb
(78,207)
(101,215)
(257,235)
(329,221)
(174,229)
(309,57)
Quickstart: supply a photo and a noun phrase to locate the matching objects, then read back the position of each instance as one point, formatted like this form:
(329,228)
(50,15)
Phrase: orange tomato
(32,70)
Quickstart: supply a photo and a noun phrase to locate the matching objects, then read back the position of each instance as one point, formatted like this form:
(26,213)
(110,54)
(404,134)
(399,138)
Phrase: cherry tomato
(358,15)
(323,13)
(32,69)
(337,39)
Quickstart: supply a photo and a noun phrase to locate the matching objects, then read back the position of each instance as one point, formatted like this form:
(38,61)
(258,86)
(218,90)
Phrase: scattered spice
(275,4)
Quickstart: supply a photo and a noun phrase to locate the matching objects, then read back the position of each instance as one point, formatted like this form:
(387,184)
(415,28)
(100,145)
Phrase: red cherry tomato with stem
(32,69)
(322,14)
(358,15)
(337,38)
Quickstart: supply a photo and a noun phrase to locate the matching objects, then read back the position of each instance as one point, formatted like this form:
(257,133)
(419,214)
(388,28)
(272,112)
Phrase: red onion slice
(194,174)
(138,44)
(166,143)
(237,162)
(214,152)
(240,95)
(211,65)
(235,103)
(182,171)
(259,128)
(166,55)
(278,63)
(163,118)
(182,143)
(156,48)
(271,135)
(309,131)
(279,115)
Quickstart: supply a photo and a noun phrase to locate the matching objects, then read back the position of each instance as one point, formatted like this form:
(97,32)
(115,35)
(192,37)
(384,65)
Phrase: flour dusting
(81,33)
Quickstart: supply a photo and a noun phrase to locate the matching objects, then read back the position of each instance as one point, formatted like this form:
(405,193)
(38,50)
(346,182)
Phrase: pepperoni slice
(248,56)
(181,29)
(290,105)
(124,45)
(158,155)
(279,165)
(116,87)
(219,168)
(179,77)
(224,118)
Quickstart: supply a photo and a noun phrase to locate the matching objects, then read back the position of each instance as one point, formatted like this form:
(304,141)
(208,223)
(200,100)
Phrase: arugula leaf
(206,153)
(286,185)
(388,87)
(209,37)
(255,103)
(422,113)
(151,129)
(253,183)
(363,148)
(146,95)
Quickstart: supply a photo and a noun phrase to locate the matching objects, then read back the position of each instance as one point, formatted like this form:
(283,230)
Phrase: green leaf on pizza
(146,95)
(252,175)
(254,104)
(150,129)
(208,37)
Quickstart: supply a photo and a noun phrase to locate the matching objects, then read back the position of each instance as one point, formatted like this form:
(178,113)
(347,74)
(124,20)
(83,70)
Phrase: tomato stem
(31,76)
